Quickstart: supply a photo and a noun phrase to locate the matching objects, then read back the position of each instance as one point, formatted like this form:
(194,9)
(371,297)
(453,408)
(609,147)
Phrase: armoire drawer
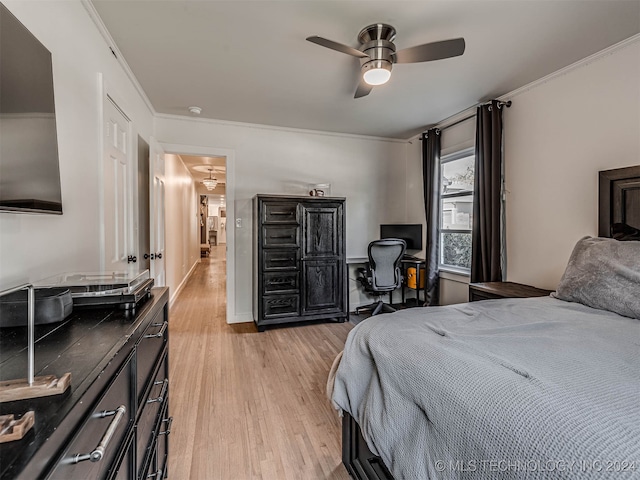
(94,449)
(280,306)
(274,260)
(280,213)
(280,282)
(280,236)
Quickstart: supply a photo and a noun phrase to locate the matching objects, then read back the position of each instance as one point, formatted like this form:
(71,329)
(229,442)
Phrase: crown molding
(574,66)
(541,81)
(93,14)
(259,126)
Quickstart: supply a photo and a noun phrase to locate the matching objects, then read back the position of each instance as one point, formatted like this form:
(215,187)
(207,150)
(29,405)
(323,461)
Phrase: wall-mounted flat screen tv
(29,169)
(409,232)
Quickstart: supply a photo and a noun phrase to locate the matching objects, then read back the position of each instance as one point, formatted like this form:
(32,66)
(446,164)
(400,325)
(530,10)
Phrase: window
(456,209)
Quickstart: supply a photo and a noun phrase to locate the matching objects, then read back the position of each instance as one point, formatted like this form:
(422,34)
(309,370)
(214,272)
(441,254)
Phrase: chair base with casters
(376,308)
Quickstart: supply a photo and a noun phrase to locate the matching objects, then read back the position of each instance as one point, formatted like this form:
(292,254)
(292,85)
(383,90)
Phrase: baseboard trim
(173,297)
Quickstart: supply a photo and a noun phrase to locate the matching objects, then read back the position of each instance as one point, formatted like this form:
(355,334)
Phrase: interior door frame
(229,154)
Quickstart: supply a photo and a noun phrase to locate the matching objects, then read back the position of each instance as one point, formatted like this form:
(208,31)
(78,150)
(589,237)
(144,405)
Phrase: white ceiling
(248,61)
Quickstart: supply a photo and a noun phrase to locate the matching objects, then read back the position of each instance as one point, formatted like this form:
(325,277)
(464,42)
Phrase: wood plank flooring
(248,405)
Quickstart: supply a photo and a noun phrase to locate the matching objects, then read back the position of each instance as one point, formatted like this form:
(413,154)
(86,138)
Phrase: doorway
(215,206)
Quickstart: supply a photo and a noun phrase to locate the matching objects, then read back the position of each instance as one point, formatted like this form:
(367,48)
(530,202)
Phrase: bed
(514,388)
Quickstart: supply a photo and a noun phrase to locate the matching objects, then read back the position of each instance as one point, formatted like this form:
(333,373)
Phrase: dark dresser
(299,265)
(492,290)
(119,383)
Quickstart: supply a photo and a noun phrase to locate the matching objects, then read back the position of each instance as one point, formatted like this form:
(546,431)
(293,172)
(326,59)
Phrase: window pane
(456,250)
(457,213)
(457,175)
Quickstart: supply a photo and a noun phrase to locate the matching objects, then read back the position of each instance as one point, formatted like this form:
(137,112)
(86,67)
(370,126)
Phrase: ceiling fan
(377,53)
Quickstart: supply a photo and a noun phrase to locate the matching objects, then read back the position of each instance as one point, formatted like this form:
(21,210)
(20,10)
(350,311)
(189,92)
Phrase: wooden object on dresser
(491,290)
(299,264)
(112,423)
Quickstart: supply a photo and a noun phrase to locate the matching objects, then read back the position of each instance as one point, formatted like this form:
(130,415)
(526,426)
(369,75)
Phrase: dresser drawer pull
(168,430)
(160,334)
(158,474)
(98,452)
(163,392)
(281,236)
(288,259)
(283,281)
(287,213)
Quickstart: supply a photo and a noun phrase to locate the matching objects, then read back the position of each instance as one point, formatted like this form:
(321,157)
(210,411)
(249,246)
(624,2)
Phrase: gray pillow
(605,274)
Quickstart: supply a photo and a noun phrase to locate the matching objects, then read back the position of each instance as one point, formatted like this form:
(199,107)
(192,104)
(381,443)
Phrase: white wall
(182,220)
(558,135)
(369,172)
(559,132)
(36,246)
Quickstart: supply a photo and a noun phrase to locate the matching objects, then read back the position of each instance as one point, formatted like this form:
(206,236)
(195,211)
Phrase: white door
(157,189)
(117,188)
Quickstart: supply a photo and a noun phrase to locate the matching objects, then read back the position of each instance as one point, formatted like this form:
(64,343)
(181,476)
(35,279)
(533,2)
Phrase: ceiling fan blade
(363,89)
(323,42)
(431,51)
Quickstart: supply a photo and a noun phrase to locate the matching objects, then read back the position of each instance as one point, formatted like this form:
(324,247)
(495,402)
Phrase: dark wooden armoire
(299,268)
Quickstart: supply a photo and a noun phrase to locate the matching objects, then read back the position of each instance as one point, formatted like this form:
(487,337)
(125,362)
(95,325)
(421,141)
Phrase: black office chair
(383,274)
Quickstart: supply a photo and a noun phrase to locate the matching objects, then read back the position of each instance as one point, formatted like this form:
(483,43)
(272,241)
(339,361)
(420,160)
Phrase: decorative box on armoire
(299,267)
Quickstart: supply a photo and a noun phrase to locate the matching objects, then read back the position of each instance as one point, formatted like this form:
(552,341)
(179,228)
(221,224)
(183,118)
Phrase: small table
(492,290)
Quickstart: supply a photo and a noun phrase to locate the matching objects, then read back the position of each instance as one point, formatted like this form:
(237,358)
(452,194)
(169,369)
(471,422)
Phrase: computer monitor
(409,232)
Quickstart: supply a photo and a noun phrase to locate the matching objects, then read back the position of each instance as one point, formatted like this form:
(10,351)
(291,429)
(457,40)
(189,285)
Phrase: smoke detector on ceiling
(195,110)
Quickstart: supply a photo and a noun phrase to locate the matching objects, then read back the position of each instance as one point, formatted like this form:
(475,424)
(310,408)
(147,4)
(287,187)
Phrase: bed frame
(619,202)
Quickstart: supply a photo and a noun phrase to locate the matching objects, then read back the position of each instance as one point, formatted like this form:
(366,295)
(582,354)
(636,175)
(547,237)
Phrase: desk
(417,263)
(357,260)
(405,263)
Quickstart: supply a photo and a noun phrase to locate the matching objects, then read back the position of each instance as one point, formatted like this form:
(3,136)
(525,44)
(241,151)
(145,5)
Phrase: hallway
(248,405)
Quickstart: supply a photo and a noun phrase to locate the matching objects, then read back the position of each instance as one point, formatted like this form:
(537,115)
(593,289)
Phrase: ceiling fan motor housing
(377,42)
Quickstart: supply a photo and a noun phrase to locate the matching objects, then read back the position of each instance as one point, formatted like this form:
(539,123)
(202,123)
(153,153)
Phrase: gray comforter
(515,388)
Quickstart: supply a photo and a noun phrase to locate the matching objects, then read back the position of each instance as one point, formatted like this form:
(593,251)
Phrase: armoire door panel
(322,286)
(321,231)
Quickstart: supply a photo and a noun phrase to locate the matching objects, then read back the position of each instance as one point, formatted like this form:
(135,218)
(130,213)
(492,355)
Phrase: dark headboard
(619,199)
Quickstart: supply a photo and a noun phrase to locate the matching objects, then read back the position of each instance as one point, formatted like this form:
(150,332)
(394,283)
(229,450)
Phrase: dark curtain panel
(431,175)
(487,205)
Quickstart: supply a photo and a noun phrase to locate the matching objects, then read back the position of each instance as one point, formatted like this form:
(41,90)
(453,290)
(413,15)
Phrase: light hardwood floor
(248,405)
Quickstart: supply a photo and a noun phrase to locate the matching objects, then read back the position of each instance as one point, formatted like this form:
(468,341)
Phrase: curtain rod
(501,104)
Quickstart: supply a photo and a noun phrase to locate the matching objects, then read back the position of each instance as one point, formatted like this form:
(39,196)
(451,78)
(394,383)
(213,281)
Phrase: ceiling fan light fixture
(377,72)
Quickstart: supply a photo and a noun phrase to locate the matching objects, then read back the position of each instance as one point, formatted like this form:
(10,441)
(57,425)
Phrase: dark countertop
(91,344)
